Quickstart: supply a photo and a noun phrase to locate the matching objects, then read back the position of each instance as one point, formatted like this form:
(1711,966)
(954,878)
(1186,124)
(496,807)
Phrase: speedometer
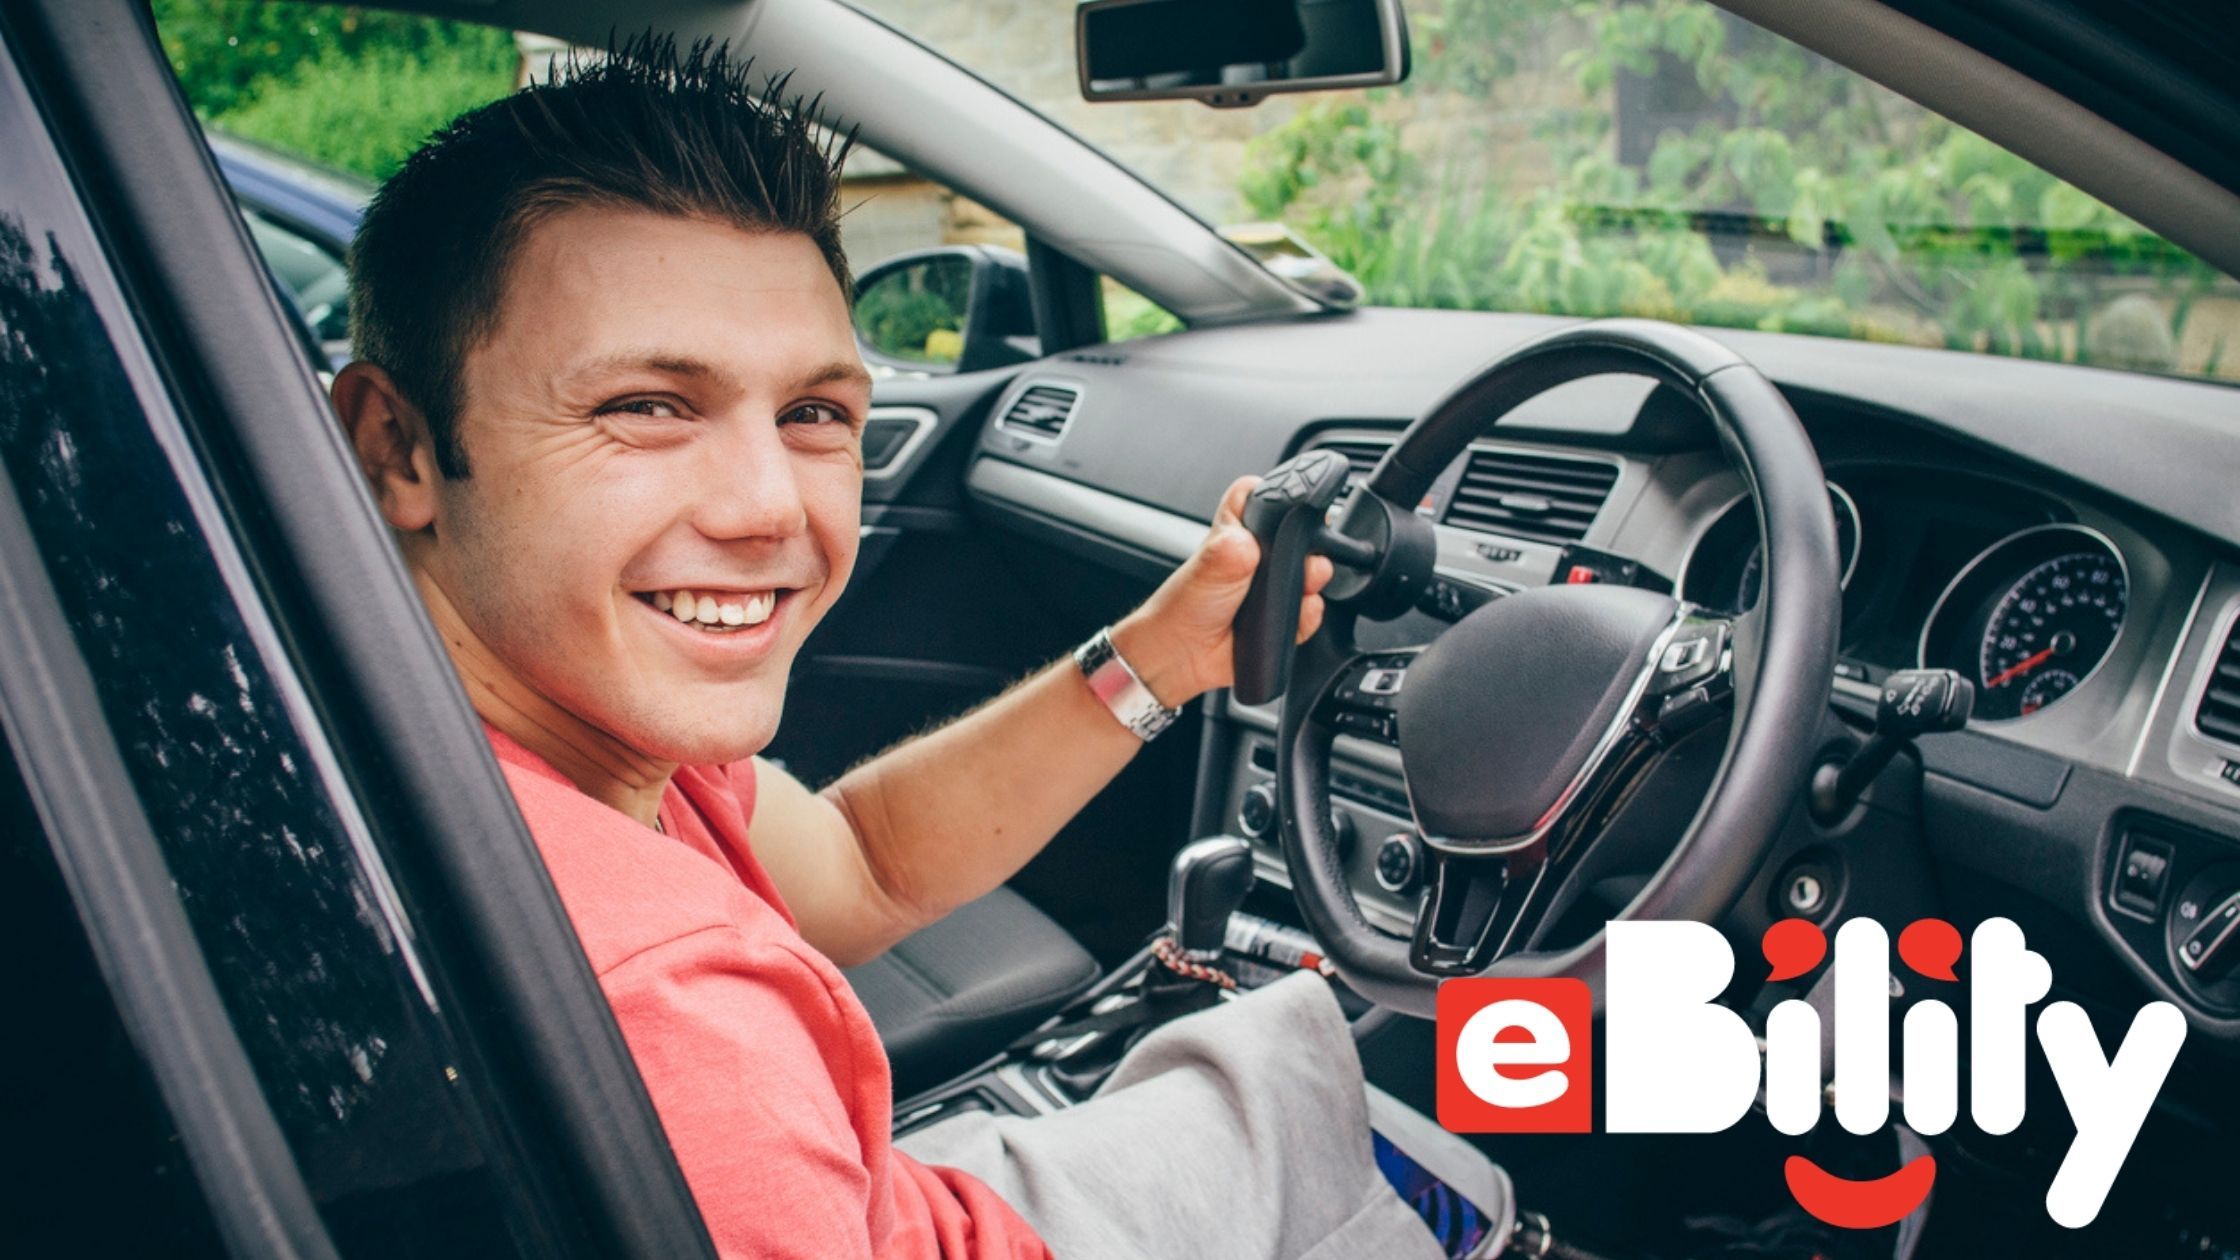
(2030,619)
(2053,626)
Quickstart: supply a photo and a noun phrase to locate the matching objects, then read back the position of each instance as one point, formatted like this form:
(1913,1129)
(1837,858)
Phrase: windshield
(1658,158)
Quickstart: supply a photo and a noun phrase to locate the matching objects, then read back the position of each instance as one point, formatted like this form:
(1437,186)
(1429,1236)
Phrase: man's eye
(641,407)
(816,413)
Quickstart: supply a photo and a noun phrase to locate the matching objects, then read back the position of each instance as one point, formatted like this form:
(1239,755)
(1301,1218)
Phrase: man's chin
(712,744)
(709,731)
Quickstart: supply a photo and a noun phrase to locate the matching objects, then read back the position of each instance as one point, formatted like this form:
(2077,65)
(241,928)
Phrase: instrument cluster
(1981,578)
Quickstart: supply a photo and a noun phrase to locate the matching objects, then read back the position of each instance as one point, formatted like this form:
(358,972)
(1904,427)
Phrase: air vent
(1041,412)
(1548,498)
(2218,714)
(1361,455)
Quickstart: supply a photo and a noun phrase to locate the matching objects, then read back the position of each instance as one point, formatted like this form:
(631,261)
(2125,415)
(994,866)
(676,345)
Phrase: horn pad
(1504,710)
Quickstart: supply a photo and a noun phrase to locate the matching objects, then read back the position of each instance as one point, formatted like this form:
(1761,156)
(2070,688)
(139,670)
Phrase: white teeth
(707,610)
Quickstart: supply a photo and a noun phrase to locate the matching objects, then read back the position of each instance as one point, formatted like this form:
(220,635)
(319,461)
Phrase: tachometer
(2030,619)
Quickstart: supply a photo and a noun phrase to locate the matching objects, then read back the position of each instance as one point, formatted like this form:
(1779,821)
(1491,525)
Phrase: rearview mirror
(956,309)
(1231,53)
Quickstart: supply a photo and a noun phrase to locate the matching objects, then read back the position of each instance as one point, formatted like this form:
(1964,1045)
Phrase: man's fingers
(1231,510)
(1310,617)
(1319,573)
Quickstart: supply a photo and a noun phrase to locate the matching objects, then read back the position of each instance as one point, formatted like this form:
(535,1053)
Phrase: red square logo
(1516,1056)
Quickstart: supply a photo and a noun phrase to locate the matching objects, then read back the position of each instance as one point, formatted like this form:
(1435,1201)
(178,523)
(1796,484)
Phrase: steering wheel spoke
(1476,909)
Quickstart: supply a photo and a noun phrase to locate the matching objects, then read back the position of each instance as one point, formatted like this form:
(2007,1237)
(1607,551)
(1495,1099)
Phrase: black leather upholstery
(958,991)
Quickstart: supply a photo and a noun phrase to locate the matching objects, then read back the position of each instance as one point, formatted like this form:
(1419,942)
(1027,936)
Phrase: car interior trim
(2169,670)
(923,421)
(1149,530)
(2228,623)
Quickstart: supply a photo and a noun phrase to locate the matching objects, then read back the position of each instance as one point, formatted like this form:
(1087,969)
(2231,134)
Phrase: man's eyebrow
(652,361)
(840,372)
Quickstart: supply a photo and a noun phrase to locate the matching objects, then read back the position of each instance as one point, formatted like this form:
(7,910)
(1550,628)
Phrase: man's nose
(747,486)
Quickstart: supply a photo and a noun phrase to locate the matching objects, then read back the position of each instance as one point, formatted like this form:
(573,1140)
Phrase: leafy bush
(1804,200)
(352,88)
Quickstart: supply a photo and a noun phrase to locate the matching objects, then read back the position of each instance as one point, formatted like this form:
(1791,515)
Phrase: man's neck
(602,767)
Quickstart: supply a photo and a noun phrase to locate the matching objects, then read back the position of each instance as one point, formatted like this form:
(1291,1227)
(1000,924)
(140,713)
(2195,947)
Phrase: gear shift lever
(1206,885)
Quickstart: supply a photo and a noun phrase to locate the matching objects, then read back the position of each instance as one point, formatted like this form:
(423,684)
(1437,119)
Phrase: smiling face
(664,422)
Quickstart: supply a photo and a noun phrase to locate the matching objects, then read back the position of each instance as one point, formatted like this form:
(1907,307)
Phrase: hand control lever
(1914,702)
(1285,513)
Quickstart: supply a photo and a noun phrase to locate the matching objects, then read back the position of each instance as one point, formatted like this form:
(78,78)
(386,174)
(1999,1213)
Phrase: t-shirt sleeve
(745,1088)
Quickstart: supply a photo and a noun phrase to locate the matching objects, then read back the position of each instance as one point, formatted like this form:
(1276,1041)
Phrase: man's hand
(930,824)
(1179,641)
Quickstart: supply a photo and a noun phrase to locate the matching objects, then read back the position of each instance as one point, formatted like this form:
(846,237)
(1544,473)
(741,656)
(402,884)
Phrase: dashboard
(2067,539)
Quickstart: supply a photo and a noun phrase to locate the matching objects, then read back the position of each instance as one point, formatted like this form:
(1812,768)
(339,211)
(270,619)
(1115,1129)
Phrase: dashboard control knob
(1398,859)
(2212,939)
(1256,814)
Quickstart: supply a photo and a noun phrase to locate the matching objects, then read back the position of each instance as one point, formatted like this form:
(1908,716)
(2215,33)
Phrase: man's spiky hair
(648,126)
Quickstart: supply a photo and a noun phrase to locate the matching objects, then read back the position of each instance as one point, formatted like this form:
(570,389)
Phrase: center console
(1211,950)
(1382,853)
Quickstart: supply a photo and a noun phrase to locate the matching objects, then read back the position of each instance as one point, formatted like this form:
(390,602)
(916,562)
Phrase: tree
(356,89)
(1799,198)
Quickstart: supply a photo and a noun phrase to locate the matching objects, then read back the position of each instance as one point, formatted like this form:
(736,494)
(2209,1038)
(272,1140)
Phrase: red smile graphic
(1848,1204)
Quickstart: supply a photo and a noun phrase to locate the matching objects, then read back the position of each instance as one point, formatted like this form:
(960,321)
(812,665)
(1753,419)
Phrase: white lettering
(1479,1056)
(2107,1099)
(1678,1062)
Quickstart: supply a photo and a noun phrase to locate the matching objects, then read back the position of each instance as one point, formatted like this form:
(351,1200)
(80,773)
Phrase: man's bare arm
(935,822)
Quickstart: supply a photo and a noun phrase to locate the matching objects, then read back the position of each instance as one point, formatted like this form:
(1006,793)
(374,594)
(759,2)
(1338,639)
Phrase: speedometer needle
(2019,668)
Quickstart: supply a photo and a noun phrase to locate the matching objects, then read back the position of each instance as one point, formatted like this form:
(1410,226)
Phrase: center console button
(1257,813)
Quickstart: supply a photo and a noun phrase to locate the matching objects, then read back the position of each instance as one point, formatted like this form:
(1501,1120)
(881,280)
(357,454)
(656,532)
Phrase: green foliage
(355,89)
(1129,315)
(1801,199)
(917,312)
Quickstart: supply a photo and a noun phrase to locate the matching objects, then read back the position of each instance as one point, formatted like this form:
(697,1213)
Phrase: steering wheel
(1526,725)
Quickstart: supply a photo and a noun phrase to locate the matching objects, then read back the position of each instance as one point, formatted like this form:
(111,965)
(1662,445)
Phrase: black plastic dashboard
(2069,537)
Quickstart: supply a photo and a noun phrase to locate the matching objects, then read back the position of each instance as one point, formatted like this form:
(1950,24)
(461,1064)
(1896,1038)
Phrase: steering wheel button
(1383,682)
(1684,654)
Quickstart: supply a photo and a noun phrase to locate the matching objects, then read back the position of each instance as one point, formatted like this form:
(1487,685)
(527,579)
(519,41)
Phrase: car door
(322,927)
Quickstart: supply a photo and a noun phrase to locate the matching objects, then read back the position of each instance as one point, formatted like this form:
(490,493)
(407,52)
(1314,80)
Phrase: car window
(892,209)
(316,278)
(1645,157)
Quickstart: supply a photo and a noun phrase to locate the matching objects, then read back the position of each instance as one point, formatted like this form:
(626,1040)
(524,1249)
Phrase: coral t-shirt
(768,1076)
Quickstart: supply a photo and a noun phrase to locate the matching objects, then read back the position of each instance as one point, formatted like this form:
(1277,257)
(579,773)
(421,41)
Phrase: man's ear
(392,442)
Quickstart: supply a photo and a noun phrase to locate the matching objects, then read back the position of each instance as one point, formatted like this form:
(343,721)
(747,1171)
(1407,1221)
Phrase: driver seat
(958,991)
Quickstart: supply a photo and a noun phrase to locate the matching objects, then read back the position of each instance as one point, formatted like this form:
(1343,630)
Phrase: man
(608,397)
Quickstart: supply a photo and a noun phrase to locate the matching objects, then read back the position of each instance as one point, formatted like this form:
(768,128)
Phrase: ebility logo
(1515,1055)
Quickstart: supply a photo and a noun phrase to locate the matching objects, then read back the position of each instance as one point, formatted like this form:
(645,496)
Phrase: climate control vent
(1549,498)
(2218,714)
(1041,412)
(1361,455)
